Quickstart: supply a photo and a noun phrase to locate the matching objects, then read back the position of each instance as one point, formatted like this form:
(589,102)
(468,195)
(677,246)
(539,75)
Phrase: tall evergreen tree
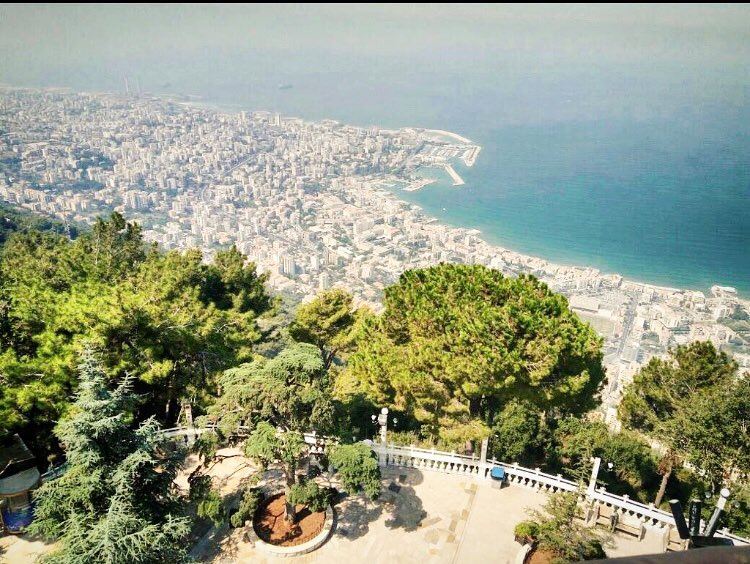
(279,400)
(455,343)
(114,503)
(326,322)
(691,403)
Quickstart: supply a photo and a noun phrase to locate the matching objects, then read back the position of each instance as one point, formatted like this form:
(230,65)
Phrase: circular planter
(523,553)
(303,548)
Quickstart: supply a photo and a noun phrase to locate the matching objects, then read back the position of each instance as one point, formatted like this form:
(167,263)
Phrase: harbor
(457,180)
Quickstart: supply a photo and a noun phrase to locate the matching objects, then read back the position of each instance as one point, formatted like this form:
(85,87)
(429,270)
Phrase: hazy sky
(38,42)
(395,65)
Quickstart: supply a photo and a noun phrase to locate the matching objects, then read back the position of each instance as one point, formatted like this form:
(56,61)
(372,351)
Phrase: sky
(41,43)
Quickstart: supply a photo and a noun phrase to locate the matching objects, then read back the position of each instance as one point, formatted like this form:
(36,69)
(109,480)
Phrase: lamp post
(382,420)
(721,503)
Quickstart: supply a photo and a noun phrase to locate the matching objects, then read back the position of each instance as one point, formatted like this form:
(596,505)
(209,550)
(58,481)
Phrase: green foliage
(291,391)
(209,503)
(737,517)
(634,468)
(456,342)
(14,220)
(251,500)
(409,438)
(206,445)
(326,322)
(515,432)
(711,431)
(558,532)
(279,399)
(211,507)
(115,501)
(267,445)
(660,387)
(697,405)
(526,530)
(168,319)
(357,467)
(309,494)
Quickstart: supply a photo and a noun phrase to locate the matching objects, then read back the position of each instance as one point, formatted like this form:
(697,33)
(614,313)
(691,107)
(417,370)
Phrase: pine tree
(114,503)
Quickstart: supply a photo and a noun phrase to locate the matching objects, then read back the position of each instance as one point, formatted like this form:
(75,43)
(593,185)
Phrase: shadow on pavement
(398,501)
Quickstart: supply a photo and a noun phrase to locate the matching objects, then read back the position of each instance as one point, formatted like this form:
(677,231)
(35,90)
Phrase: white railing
(631,515)
(189,434)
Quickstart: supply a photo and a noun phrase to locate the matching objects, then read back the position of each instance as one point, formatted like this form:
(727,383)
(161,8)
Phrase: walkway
(424,518)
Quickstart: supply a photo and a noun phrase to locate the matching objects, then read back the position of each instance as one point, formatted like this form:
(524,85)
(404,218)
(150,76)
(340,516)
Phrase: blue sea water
(614,140)
(658,191)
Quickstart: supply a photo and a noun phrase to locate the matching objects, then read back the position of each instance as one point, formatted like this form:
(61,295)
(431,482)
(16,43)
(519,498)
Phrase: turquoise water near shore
(613,137)
(661,197)
(654,201)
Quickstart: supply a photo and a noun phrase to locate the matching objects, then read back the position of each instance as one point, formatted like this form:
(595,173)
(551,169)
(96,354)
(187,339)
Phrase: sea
(635,165)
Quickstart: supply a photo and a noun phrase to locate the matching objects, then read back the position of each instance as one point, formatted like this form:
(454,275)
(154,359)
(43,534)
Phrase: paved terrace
(442,512)
(423,517)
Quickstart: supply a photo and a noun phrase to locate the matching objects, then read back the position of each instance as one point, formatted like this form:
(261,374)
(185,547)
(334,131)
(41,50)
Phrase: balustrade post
(594,475)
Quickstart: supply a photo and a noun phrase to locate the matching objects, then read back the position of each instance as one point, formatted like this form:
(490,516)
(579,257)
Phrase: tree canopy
(291,391)
(278,400)
(456,342)
(695,405)
(168,319)
(661,387)
(357,468)
(114,503)
(633,469)
(515,432)
(327,322)
(13,220)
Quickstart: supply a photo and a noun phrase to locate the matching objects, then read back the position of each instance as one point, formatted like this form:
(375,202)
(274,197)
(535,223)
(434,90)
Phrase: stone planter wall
(287,551)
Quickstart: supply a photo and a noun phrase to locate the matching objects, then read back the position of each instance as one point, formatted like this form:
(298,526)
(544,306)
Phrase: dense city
(315,204)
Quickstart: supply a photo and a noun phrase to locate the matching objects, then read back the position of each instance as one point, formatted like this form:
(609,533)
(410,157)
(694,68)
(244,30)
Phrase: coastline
(234,109)
(540,261)
(742,295)
(581,264)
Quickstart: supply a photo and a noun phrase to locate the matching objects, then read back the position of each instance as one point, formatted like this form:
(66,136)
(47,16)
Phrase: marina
(457,180)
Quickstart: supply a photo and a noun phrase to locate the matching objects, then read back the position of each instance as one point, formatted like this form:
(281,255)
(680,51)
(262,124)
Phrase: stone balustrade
(625,514)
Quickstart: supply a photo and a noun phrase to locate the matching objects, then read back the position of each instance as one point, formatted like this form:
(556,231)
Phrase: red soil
(540,557)
(272,527)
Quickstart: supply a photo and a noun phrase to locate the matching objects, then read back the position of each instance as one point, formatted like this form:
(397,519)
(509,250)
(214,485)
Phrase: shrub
(309,494)
(212,507)
(560,534)
(357,467)
(251,499)
(526,530)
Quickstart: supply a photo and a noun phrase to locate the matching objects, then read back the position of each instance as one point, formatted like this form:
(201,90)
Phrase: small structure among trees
(18,477)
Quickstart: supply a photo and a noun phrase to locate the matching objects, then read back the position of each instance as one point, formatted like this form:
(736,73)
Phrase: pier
(470,156)
(418,184)
(457,180)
